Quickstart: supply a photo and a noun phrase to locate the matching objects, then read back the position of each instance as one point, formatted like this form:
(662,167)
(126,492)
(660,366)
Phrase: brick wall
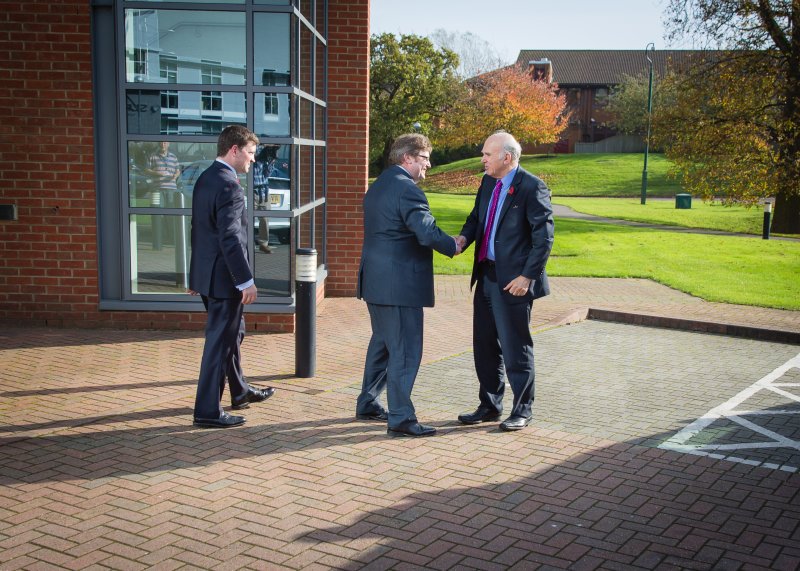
(49,268)
(348,143)
(48,273)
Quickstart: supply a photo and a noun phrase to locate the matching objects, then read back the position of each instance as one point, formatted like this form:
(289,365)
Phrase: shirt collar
(226,164)
(509,178)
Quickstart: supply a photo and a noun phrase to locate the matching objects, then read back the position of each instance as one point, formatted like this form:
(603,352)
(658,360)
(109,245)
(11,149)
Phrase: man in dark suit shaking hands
(396,280)
(512,227)
(220,272)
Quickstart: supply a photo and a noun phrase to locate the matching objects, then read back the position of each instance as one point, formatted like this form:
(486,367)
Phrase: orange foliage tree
(507,98)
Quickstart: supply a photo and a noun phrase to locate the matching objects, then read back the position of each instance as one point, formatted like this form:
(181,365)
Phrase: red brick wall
(348,143)
(49,268)
(48,273)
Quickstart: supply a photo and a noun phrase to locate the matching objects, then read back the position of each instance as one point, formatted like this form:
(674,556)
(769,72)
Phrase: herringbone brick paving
(100,467)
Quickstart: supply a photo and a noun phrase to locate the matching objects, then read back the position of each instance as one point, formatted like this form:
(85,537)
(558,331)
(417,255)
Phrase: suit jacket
(524,235)
(400,235)
(219,234)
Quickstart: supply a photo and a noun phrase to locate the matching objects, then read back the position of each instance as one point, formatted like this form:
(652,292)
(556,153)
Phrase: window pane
(160,177)
(194,41)
(273,2)
(189,112)
(306,118)
(272,178)
(271,260)
(200,1)
(305,81)
(271,44)
(272,115)
(160,253)
(306,166)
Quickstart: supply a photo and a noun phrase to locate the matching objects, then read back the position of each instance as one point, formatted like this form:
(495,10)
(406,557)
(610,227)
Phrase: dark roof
(603,67)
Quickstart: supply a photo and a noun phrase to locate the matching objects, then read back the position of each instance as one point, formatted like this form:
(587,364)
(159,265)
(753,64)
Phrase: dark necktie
(487,233)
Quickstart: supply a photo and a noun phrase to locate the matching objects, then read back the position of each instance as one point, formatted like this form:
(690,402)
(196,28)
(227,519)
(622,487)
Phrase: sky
(530,24)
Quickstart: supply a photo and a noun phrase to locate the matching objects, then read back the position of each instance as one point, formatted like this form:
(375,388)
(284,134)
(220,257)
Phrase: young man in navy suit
(396,280)
(512,227)
(220,273)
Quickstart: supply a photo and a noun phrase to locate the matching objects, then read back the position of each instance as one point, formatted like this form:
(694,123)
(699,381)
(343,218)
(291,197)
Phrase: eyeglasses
(425,157)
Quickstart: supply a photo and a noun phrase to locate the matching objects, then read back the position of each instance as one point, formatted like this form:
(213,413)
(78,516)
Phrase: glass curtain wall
(190,69)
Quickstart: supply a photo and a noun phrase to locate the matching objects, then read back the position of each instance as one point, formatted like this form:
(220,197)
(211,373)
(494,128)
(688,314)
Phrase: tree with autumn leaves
(735,129)
(415,85)
(507,98)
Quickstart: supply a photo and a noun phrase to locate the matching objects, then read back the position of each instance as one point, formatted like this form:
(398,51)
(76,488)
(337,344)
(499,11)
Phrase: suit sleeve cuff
(246,285)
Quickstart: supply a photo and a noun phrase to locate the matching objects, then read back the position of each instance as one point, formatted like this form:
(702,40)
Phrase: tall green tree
(754,132)
(411,81)
(628,102)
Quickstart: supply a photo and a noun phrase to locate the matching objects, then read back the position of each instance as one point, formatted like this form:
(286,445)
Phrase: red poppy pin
(511,191)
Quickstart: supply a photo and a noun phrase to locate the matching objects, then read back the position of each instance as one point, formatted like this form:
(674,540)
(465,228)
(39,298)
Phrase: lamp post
(652,48)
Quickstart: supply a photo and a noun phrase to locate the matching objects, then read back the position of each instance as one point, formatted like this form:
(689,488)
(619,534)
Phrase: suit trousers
(393,358)
(501,339)
(221,356)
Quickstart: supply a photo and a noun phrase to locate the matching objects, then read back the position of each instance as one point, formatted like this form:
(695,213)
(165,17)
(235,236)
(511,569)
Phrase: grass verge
(607,174)
(711,215)
(741,270)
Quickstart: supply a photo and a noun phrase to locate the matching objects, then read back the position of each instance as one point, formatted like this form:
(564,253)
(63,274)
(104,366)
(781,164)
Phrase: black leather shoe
(483,414)
(381,416)
(413,430)
(253,395)
(514,423)
(224,421)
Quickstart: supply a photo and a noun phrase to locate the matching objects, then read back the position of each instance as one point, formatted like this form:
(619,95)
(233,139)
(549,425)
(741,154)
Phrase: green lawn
(713,216)
(617,175)
(747,271)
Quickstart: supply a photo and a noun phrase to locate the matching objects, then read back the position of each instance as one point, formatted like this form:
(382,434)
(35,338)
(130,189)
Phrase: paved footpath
(652,447)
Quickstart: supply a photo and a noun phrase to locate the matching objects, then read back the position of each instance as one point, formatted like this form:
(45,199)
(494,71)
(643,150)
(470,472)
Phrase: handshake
(461,243)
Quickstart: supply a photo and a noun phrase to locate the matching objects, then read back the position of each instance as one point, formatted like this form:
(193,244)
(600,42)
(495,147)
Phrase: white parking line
(730,411)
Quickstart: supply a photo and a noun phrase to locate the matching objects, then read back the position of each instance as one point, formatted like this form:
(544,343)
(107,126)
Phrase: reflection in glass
(272,115)
(182,46)
(202,1)
(272,179)
(160,253)
(162,175)
(183,112)
(271,264)
(271,49)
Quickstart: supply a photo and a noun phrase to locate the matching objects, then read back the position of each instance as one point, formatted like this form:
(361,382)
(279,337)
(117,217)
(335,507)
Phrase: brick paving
(100,467)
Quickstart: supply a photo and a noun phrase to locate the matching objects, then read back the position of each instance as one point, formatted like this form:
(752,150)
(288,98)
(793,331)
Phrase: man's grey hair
(510,144)
(410,144)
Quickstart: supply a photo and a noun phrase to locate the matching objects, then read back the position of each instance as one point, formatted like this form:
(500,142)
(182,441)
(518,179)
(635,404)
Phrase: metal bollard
(767,214)
(305,337)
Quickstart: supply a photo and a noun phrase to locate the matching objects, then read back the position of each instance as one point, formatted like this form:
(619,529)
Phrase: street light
(652,48)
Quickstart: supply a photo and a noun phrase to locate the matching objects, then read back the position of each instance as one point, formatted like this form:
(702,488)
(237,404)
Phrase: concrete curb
(663,322)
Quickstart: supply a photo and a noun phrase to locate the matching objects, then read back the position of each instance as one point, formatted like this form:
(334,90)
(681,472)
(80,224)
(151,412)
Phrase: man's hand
(249,295)
(518,286)
(191,292)
(459,244)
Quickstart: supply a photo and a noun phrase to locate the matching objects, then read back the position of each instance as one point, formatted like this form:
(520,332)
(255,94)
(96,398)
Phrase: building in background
(587,77)
(94,89)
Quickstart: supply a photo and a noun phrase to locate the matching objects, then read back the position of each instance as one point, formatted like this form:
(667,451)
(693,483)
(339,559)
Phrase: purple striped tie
(487,233)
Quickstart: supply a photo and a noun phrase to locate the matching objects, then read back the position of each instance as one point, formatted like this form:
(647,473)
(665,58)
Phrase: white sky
(511,26)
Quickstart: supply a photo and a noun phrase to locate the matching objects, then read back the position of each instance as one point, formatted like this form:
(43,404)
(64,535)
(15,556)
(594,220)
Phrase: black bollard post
(767,215)
(305,337)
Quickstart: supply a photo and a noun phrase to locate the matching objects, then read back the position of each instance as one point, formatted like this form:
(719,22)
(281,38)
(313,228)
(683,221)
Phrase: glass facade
(186,71)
